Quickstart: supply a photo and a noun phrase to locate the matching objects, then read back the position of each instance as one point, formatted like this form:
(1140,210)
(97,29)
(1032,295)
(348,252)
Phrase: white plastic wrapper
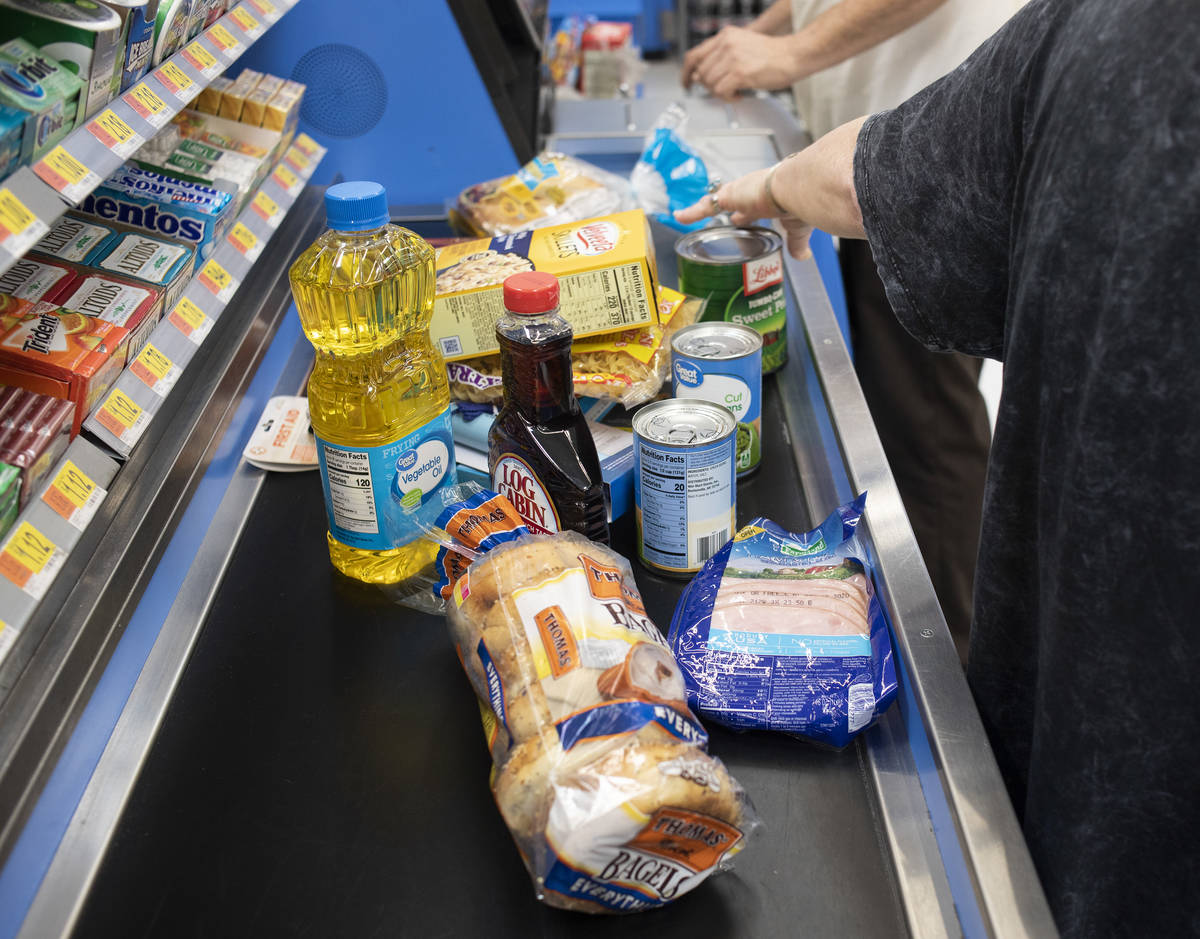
(601,770)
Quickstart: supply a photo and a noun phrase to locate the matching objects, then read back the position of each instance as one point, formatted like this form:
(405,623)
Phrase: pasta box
(605,268)
(62,354)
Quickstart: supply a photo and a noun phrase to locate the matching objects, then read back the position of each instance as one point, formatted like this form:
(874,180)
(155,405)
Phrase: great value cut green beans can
(740,273)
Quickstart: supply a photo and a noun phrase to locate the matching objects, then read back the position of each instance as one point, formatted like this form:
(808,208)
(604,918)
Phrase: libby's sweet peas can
(739,271)
(722,363)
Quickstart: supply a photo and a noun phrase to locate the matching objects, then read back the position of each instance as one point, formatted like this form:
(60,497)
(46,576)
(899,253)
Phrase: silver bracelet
(767,186)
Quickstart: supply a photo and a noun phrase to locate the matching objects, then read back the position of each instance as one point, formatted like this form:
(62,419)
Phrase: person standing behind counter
(846,58)
(1041,205)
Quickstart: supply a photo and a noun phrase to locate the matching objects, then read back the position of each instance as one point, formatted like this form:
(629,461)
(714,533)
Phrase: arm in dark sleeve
(938,182)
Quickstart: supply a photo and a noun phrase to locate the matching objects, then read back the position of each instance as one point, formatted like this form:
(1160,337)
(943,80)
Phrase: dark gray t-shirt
(1041,205)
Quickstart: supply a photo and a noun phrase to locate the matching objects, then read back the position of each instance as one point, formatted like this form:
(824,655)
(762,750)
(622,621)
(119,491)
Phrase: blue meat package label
(783,631)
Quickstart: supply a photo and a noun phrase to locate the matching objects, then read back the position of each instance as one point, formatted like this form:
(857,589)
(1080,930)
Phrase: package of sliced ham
(782,631)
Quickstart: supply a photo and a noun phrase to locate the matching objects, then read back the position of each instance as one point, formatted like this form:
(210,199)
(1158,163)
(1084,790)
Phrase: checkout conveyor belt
(299,756)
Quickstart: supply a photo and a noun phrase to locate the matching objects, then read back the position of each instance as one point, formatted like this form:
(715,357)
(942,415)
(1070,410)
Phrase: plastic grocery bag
(600,769)
(782,631)
(673,172)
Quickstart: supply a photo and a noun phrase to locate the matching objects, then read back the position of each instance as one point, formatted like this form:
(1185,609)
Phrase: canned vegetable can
(722,363)
(739,271)
(685,486)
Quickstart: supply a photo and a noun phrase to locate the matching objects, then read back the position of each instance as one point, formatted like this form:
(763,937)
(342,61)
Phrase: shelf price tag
(218,280)
(176,81)
(123,417)
(147,105)
(61,171)
(74,495)
(201,60)
(306,145)
(8,636)
(245,242)
(224,40)
(246,22)
(267,209)
(115,134)
(297,160)
(30,560)
(266,8)
(20,229)
(157,371)
(190,320)
(288,181)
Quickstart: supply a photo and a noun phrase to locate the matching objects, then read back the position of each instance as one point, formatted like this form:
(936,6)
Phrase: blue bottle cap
(356,206)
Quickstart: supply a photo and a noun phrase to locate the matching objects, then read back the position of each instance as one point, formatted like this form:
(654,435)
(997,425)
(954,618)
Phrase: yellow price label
(306,144)
(223,37)
(265,7)
(61,171)
(285,178)
(114,133)
(199,57)
(30,559)
(146,104)
(123,417)
(19,228)
(190,320)
(218,280)
(296,158)
(175,79)
(266,207)
(242,17)
(151,366)
(73,495)
(244,240)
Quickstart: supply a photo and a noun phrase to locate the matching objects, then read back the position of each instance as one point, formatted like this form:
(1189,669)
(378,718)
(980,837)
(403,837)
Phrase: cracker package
(601,771)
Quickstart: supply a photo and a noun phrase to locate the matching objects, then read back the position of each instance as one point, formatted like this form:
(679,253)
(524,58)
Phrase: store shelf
(33,197)
(40,541)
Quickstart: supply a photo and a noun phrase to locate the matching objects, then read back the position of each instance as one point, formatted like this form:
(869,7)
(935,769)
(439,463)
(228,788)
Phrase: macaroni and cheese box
(74,239)
(164,265)
(60,353)
(36,279)
(136,307)
(605,267)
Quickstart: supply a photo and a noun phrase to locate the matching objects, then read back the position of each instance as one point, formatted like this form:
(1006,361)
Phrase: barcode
(860,706)
(450,345)
(709,545)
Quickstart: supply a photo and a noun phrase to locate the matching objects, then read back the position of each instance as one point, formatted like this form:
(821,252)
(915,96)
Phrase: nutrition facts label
(592,302)
(351,492)
(686,502)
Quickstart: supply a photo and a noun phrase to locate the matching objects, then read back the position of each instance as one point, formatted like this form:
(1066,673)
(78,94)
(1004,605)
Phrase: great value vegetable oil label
(373,494)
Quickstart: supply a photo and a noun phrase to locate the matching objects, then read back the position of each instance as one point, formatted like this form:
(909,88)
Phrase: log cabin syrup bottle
(541,455)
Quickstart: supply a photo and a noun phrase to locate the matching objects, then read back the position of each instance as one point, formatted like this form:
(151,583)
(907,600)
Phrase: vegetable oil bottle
(378,397)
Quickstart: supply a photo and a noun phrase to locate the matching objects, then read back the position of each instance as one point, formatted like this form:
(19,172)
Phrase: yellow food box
(255,108)
(605,268)
(233,99)
(209,100)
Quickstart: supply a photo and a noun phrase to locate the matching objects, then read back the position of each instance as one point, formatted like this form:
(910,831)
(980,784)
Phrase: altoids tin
(722,363)
(740,272)
(685,487)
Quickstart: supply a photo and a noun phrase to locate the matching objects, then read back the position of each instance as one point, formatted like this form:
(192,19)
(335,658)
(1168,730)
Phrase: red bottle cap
(531,292)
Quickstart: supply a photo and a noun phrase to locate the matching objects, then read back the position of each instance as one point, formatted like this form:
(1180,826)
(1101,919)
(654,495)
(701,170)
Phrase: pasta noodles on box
(605,268)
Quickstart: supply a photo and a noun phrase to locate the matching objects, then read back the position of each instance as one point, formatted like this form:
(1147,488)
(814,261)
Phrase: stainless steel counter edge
(1006,884)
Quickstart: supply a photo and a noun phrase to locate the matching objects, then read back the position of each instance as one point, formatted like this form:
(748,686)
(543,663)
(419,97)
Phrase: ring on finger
(716,203)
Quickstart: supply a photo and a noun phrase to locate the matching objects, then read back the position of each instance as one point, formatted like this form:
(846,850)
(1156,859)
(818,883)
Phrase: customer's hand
(736,59)
(746,201)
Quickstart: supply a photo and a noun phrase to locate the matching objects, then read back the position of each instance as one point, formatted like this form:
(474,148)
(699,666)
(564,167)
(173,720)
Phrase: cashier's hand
(736,59)
(746,201)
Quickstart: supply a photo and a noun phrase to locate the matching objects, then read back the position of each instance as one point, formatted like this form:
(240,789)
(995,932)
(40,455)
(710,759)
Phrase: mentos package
(164,265)
(782,631)
(51,97)
(135,306)
(36,279)
(59,353)
(183,211)
(74,239)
